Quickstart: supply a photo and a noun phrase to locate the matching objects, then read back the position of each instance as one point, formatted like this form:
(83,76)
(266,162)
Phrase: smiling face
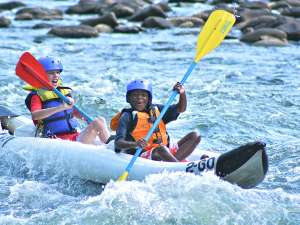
(139,99)
(54,77)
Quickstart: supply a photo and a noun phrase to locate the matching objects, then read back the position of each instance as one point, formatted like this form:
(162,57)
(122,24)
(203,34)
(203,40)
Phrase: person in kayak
(55,118)
(134,123)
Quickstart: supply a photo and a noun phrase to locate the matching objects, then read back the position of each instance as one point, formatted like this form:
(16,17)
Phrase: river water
(238,93)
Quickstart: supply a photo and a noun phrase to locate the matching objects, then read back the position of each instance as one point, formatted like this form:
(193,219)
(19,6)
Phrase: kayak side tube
(245,166)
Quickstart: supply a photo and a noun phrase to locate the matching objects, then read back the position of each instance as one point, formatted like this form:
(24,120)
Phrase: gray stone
(293,12)
(193,21)
(128,29)
(257,35)
(81,31)
(109,19)
(149,11)
(156,22)
(39,13)
(4,22)
(11,5)
(292,29)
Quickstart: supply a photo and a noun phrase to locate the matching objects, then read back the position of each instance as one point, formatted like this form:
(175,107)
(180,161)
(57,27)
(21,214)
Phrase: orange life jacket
(143,121)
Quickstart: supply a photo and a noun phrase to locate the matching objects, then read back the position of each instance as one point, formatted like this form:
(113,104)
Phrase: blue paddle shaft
(66,100)
(162,113)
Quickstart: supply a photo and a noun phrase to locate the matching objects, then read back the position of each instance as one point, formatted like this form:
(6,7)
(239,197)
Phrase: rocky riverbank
(266,23)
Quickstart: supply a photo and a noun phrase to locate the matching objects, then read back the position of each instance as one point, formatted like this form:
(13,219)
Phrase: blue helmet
(50,64)
(139,85)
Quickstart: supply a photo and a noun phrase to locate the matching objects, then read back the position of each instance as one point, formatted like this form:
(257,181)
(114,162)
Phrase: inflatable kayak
(245,166)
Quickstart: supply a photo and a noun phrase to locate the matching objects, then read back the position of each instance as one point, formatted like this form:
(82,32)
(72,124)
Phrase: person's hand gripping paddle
(32,72)
(214,31)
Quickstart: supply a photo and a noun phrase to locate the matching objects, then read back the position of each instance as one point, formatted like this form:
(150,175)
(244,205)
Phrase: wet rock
(254,5)
(188,21)
(293,12)
(103,28)
(149,11)
(42,26)
(263,34)
(108,19)
(294,3)
(190,1)
(11,5)
(224,1)
(271,41)
(24,16)
(203,15)
(134,4)
(156,22)
(292,29)
(120,10)
(259,22)
(279,5)
(128,29)
(164,6)
(84,7)
(247,14)
(39,13)
(81,31)
(4,22)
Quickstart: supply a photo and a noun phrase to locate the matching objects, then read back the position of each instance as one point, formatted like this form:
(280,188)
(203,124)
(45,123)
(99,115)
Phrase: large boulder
(271,41)
(292,29)
(149,11)
(292,12)
(263,34)
(4,22)
(156,22)
(80,31)
(39,13)
(128,29)
(254,5)
(11,5)
(279,5)
(247,14)
(183,21)
(259,22)
(82,7)
(119,9)
(108,19)
(293,3)
(164,6)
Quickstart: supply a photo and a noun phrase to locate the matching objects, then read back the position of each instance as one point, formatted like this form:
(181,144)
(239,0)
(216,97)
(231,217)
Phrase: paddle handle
(162,113)
(65,99)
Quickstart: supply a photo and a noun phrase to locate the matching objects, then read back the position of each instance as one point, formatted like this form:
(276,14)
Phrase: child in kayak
(53,117)
(133,125)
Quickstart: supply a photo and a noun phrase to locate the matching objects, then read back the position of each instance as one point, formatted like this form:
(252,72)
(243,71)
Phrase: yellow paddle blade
(123,176)
(214,31)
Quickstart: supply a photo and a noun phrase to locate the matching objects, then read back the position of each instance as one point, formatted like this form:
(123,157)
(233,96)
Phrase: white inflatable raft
(245,166)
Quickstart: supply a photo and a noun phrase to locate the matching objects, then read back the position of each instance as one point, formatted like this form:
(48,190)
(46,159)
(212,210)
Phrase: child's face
(54,77)
(138,100)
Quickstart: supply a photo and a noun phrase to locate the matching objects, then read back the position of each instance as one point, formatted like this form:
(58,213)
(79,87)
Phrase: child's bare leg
(187,145)
(162,153)
(97,127)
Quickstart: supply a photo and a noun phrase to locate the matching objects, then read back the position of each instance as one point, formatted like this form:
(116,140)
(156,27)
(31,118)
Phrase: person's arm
(123,144)
(39,114)
(120,142)
(182,102)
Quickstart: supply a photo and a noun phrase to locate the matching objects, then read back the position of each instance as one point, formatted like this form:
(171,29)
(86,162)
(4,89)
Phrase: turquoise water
(238,93)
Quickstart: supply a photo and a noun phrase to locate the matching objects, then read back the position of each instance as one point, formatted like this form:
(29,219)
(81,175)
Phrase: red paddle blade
(32,72)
